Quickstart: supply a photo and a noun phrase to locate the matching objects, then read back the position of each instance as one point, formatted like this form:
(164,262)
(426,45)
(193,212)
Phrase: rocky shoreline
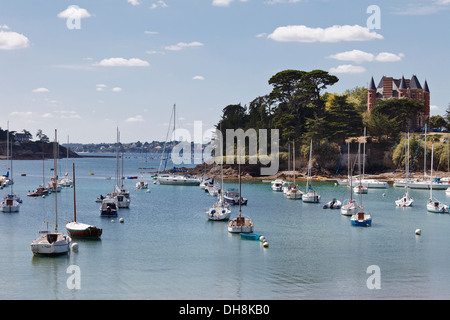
(230,172)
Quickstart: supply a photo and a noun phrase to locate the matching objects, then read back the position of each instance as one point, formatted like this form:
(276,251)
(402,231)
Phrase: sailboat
(293,193)
(10,202)
(52,243)
(120,196)
(436,184)
(220,210)
(240,224)
(406,200)
(350,206)
(177,179)
(360,218)
(142,184)
(66,182)
(311,195)
(77,229)
(434,205)
(360,188)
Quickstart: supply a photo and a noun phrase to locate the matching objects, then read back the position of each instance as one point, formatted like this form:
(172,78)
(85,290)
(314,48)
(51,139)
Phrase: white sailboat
(349,206)
(425,183)
(359,188)
(66,182)
(240,224)
(293,193)
(219,210)
(177,179)
(406,200)
(434,205)
(360,218)
(311,195)
(10,202)
(142,184)
(52,243)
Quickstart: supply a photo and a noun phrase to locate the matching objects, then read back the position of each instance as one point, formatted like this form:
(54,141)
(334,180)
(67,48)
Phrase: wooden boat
(39,192)
(240,224)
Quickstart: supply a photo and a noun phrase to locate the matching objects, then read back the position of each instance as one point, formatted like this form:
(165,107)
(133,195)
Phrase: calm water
(167,249)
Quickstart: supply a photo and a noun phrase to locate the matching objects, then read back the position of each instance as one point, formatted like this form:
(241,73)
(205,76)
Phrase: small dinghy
(333,204)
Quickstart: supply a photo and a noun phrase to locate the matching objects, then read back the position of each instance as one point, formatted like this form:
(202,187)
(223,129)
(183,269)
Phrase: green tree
(342,118)
(404,110)
(437,122)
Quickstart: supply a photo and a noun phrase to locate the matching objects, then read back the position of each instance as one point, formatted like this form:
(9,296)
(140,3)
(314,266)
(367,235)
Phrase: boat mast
(364,153)
(350,178)
(74,199)
(55,184)
(431,172)
(239,166)
(293,161)
(425,156)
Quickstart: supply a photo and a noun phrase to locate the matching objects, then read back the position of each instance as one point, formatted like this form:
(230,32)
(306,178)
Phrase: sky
(89,67)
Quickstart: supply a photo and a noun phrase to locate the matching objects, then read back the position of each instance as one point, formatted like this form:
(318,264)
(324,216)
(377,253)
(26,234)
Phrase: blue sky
(125,63)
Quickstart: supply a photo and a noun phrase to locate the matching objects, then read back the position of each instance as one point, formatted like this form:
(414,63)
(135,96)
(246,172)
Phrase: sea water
(167,249)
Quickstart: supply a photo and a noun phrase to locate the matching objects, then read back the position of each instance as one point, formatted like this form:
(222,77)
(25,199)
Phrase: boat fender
(74,246)
(265,244)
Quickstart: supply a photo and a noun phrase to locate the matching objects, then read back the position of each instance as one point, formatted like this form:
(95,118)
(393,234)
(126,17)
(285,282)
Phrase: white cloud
(12,40)
(348,68)
(359,56)
(101,87)
(159,4)
(261,35)
(134,2)
(47,115)
(224,3)
(389,57)
(282,1)
(356,56)
(39,90)
(336,33)
(150,32)
(137,118)
(198,78)
(21,113)
(121,62)
(73,12)
(116,89)
(181,45)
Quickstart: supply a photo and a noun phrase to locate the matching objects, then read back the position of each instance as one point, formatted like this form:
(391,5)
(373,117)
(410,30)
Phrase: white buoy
(265,244)
(418,232)
(384,194)
(43,196)
(112,221)
(262,238)
(335,184)
(74,246)
(121,220)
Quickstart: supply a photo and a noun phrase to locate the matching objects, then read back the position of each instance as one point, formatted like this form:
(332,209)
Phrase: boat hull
(83,231)
(251,236)
(240,225)
(51,244)
(358,220)
(437,207)
(218,213)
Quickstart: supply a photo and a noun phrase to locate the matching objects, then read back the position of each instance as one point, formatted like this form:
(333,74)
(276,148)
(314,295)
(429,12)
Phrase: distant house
(23,137)
(390,88)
